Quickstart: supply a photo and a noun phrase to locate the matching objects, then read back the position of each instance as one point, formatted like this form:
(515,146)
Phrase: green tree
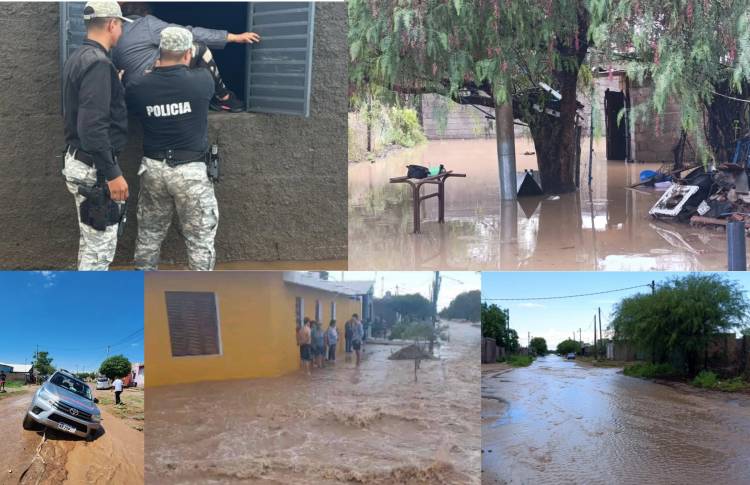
(495,325)
(681,317)
(43,363)
(496,49)
(466,305)
(503,50)
(409,307)
(538,345)
(568,346)
(115,366)
(692,51)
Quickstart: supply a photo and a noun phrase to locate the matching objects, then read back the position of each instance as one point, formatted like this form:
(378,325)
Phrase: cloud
(531,305)
(48,278)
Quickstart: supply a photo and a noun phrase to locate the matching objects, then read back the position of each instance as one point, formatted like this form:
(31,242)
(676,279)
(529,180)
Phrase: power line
(568,296)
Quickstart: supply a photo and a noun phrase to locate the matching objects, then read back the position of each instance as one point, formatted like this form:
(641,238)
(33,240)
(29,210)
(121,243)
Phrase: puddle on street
(607,228)
(565,422)
(374,424)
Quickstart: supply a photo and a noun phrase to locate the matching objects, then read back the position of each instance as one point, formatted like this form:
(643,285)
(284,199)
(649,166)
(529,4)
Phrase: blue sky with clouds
(73,315)
(556,320)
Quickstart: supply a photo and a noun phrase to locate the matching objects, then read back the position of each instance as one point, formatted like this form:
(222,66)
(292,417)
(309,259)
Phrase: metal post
(736,246)
(506,150)
(591,135)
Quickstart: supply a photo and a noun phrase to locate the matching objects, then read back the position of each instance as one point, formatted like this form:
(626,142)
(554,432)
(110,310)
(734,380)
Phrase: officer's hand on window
(244,38)
(118,188)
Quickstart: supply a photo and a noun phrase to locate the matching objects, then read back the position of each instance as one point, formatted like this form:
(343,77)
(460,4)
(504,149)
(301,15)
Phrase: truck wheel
(29,423)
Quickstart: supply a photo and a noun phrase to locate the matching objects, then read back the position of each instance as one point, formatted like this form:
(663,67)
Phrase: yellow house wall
(256,325)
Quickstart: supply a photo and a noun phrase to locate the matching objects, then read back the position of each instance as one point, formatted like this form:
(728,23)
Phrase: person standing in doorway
(332,335)
(96,130)
(117,386)
(2,381)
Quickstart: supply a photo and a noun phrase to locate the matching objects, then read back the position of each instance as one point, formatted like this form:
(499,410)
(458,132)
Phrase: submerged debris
(411,352)
(710,197)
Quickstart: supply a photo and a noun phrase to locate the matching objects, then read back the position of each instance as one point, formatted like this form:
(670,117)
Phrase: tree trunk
(555,139)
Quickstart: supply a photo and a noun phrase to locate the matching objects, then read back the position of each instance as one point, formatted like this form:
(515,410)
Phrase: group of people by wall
(317,345)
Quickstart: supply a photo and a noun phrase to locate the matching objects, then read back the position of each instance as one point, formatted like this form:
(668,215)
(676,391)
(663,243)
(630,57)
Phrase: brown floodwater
(561,422)
(372,424)
(607,228)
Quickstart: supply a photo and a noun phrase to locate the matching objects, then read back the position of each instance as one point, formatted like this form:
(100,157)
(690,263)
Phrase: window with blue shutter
(273,76)
(280,67)
(72,29)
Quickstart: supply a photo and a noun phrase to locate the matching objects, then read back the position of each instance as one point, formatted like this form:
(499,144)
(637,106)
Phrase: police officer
(96,125)
(172,103)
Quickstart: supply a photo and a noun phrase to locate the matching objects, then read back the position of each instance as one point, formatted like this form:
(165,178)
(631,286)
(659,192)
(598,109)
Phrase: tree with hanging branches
(499,51)
(696,52)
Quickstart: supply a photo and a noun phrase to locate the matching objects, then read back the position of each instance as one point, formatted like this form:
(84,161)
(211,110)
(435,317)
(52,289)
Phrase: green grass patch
(520,360)
(13,384)
(650,371)
(709,380)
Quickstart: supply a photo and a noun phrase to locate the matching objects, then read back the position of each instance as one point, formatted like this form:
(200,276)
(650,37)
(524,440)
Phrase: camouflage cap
(176,39)
(103,9)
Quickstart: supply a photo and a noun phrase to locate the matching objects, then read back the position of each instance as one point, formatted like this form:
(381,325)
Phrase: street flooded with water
(372,424)
(558,421)
(607,228)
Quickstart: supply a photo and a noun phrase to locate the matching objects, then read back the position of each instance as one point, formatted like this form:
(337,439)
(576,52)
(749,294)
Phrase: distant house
(22,368)
(239,325)
(15,372)
(138,374)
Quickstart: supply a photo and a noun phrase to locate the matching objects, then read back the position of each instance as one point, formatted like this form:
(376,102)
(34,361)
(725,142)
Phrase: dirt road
(28,457)
(371,424)
(560,422)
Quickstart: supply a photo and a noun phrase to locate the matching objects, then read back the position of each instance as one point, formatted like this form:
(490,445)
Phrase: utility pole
(653,287)
(596,350)
(528,340)
(580,339)
(601,336)
(108,351)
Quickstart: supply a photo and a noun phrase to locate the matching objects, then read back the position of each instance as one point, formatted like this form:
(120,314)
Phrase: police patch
(172,109)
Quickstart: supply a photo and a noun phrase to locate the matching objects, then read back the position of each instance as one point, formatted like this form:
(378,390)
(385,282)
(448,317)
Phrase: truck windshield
(72,385)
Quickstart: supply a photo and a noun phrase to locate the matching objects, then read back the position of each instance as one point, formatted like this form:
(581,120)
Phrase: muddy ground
(558,421)
(606,228)
(372,424)
(51,457)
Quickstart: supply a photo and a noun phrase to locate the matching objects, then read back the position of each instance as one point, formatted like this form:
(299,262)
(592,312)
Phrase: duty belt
(84,157)
(81,156)
(176,157)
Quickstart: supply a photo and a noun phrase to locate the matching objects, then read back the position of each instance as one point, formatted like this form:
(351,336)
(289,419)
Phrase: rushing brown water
(560,422)
(372,424)
(608,228)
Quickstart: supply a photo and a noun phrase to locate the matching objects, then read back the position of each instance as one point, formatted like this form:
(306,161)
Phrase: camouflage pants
(187,190)
(96,249)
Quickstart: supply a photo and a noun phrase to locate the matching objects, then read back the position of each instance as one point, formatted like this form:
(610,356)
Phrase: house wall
(273,165)
(256,321)
(460,121)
